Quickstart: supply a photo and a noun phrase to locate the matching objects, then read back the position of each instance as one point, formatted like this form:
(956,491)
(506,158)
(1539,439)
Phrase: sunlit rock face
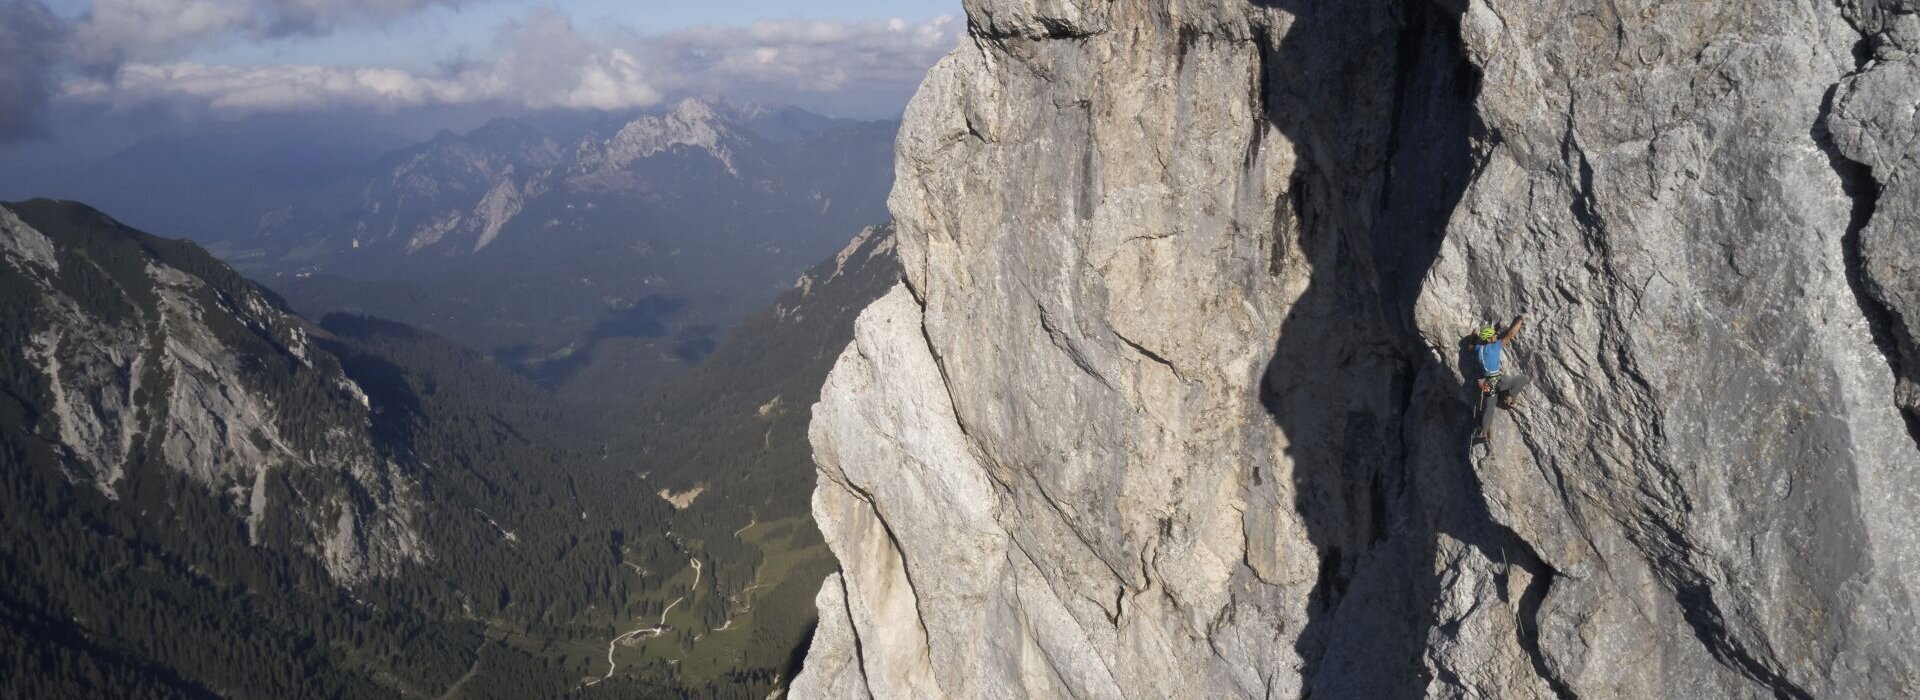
(1174,400)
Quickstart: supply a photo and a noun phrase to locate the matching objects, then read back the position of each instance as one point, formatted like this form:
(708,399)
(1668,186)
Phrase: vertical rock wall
(1713,472)
(1173,400)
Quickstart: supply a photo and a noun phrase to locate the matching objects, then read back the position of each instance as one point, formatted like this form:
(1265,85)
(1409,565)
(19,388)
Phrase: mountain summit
(692,124)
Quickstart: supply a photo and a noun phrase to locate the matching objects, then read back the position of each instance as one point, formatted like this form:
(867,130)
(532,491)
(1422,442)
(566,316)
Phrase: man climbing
(1497,383)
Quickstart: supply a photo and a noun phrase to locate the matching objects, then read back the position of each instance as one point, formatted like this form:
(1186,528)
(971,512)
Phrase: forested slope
(204,495)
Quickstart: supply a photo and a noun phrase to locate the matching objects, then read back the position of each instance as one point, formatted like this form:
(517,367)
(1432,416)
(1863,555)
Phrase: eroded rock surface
(1173,401)
(1874,125)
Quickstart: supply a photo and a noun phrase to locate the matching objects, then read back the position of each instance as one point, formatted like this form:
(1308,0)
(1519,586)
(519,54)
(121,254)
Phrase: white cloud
(803,56)
(545,61)
(611,80)
(117,31)
(245,90)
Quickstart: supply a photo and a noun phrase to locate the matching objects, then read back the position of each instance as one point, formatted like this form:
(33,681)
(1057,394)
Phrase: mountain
(1177,398)
(643,239)
(136,350)
(206,495)
(455,195)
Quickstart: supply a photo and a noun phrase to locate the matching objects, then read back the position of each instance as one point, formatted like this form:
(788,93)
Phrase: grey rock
(833,666)
(1873,127)
(1034,19)
(1175,401)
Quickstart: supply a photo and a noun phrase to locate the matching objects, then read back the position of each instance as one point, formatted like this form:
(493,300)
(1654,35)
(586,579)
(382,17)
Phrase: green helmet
(1486,334)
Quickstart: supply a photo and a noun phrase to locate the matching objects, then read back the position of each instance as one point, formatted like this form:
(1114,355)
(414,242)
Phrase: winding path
(651,632)
(453,691)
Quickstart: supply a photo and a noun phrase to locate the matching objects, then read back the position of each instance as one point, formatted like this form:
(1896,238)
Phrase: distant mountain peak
(697,109)
(693,122)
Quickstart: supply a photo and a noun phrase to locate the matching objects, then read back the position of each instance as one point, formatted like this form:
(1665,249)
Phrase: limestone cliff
(1173,401)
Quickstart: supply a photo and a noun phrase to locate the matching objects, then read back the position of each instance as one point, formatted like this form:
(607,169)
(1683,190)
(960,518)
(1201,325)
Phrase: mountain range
(547,243)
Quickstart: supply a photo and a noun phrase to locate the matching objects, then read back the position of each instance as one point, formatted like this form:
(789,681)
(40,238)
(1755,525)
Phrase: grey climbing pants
(1513,382)
(1507,383)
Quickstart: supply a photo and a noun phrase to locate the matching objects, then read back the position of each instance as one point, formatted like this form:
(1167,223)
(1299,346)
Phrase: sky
(68,66)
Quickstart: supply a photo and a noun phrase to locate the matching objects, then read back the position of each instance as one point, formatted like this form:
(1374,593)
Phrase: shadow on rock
(1347,369)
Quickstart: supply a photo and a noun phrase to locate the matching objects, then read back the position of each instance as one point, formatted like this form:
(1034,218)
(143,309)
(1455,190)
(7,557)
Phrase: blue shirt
(1490,358)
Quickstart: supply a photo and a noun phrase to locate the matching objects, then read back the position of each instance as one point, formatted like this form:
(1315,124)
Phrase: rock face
(1872,124)
(1174,400)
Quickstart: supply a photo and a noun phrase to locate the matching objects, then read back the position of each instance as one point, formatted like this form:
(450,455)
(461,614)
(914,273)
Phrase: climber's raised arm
(1514,329)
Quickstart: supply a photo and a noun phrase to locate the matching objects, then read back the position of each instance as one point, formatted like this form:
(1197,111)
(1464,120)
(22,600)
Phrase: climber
(1497,383)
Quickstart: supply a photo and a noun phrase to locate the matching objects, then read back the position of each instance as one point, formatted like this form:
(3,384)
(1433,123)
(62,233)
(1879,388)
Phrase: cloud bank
(114,32)
(811,56)
(136,54)
(542,61)
(37,47)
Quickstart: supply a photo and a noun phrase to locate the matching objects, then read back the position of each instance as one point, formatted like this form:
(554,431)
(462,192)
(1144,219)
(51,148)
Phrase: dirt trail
(453,691)
(656,630)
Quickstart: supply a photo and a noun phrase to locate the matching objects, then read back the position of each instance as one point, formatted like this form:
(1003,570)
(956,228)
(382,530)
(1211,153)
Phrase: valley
(422,521)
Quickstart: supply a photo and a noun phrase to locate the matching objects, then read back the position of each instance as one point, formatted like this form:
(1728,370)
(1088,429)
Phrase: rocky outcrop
(1872,125)
(1174,400)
